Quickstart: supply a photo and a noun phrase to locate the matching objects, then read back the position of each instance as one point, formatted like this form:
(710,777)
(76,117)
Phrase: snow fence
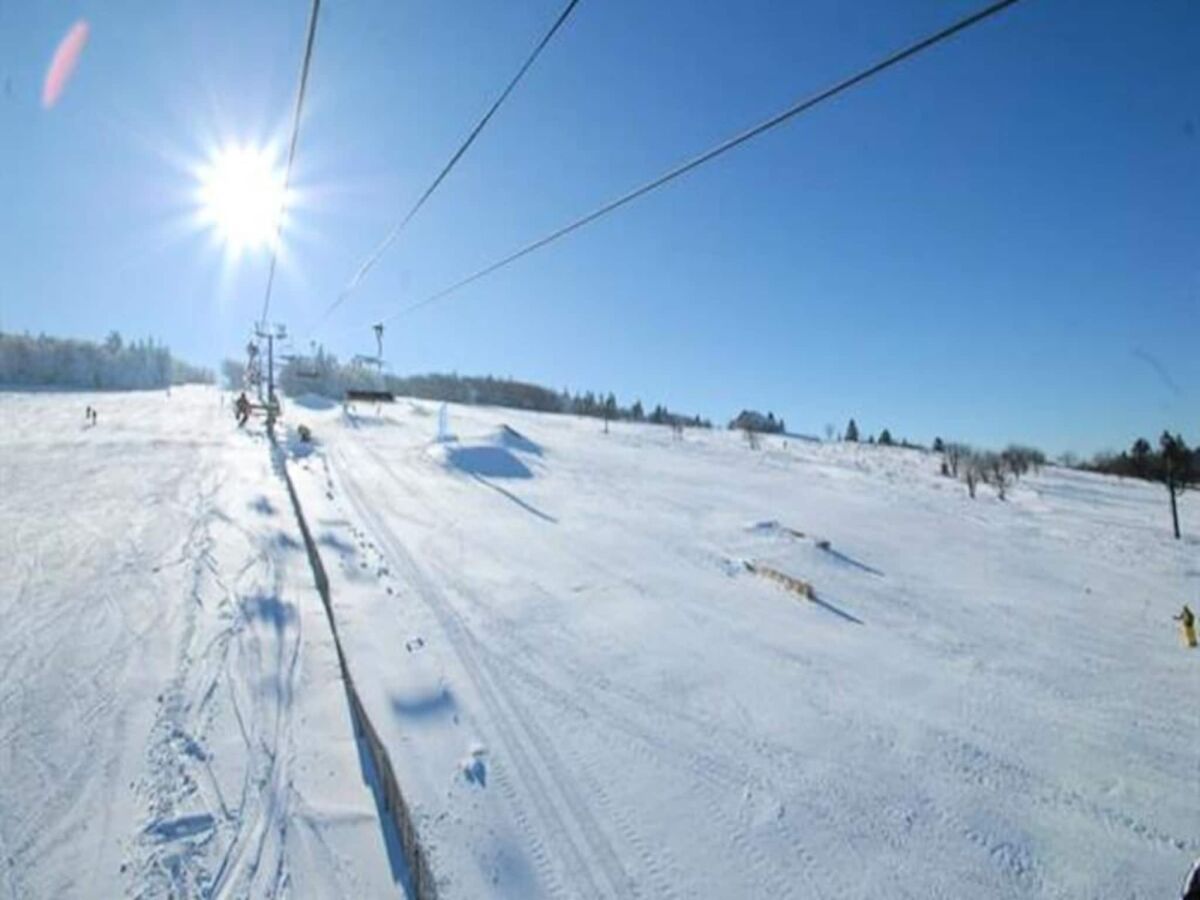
(390,796)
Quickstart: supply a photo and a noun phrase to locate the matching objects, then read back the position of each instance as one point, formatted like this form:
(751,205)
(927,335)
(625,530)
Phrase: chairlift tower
(380,393)
(270,335)
(375,362)
(252,377)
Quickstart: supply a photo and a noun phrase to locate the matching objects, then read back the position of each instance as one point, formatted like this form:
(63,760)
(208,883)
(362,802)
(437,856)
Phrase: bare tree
(1019,459)
(954,455)
(998,473)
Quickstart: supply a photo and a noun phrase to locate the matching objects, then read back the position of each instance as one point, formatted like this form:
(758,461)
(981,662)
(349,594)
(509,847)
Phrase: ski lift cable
(712,153)
(378,252)
(287,175)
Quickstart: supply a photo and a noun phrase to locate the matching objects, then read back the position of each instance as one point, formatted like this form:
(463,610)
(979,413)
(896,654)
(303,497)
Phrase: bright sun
(241,196)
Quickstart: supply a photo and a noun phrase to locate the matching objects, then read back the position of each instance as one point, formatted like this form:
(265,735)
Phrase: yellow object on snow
(1187,621)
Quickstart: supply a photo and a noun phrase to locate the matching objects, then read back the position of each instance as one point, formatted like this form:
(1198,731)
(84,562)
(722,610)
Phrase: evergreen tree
(885,438)
(852,432)
(1141,457)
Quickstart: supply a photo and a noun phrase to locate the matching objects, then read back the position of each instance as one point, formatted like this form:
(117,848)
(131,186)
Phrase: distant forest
(323,374)
(113,364)
(1170,460)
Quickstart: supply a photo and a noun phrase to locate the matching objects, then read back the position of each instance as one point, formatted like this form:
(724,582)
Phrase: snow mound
(507,436)
(492,457)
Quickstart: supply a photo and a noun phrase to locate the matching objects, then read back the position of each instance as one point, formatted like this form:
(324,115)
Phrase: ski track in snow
(583,852)
(569,612)
(151,660)
(618,783)
(236,662)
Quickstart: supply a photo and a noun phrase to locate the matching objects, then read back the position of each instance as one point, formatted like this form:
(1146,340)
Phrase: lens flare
(62,66)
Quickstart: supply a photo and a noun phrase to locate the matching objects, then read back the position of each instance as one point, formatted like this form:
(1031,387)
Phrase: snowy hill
(588,694)
(171,718)
(583,688)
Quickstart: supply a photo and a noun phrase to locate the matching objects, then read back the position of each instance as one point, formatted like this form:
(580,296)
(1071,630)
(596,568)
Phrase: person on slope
(242,408)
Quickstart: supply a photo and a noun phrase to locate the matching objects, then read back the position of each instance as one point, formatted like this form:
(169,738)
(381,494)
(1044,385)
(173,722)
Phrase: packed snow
(622,664)
(587,691)
(172,720)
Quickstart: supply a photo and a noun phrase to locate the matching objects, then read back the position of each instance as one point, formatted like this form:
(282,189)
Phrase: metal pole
(270,380)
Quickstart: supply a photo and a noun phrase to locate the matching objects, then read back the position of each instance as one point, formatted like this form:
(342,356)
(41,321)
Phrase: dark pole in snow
(270,380)
(1174,507)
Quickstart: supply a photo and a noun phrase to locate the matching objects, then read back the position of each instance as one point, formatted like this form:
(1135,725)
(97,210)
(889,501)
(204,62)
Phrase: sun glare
(241,196)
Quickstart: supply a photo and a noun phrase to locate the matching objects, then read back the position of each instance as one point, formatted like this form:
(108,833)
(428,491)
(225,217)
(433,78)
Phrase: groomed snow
(586,693)
(584,690)
(172,718)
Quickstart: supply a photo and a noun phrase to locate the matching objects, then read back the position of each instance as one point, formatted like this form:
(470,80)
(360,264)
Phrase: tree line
(999,470)
(851,435)
(113,364)
(1172,463)
(321,373)
(1151,462)
(752,421)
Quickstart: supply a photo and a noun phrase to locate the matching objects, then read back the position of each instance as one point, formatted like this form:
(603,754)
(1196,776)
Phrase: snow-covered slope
(583,689)
(586,693)
(172,721)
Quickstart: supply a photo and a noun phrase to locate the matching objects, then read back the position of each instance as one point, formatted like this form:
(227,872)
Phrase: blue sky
(986,243)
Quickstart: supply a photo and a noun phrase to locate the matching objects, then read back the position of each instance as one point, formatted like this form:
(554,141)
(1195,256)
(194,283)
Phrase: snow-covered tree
(112,365)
